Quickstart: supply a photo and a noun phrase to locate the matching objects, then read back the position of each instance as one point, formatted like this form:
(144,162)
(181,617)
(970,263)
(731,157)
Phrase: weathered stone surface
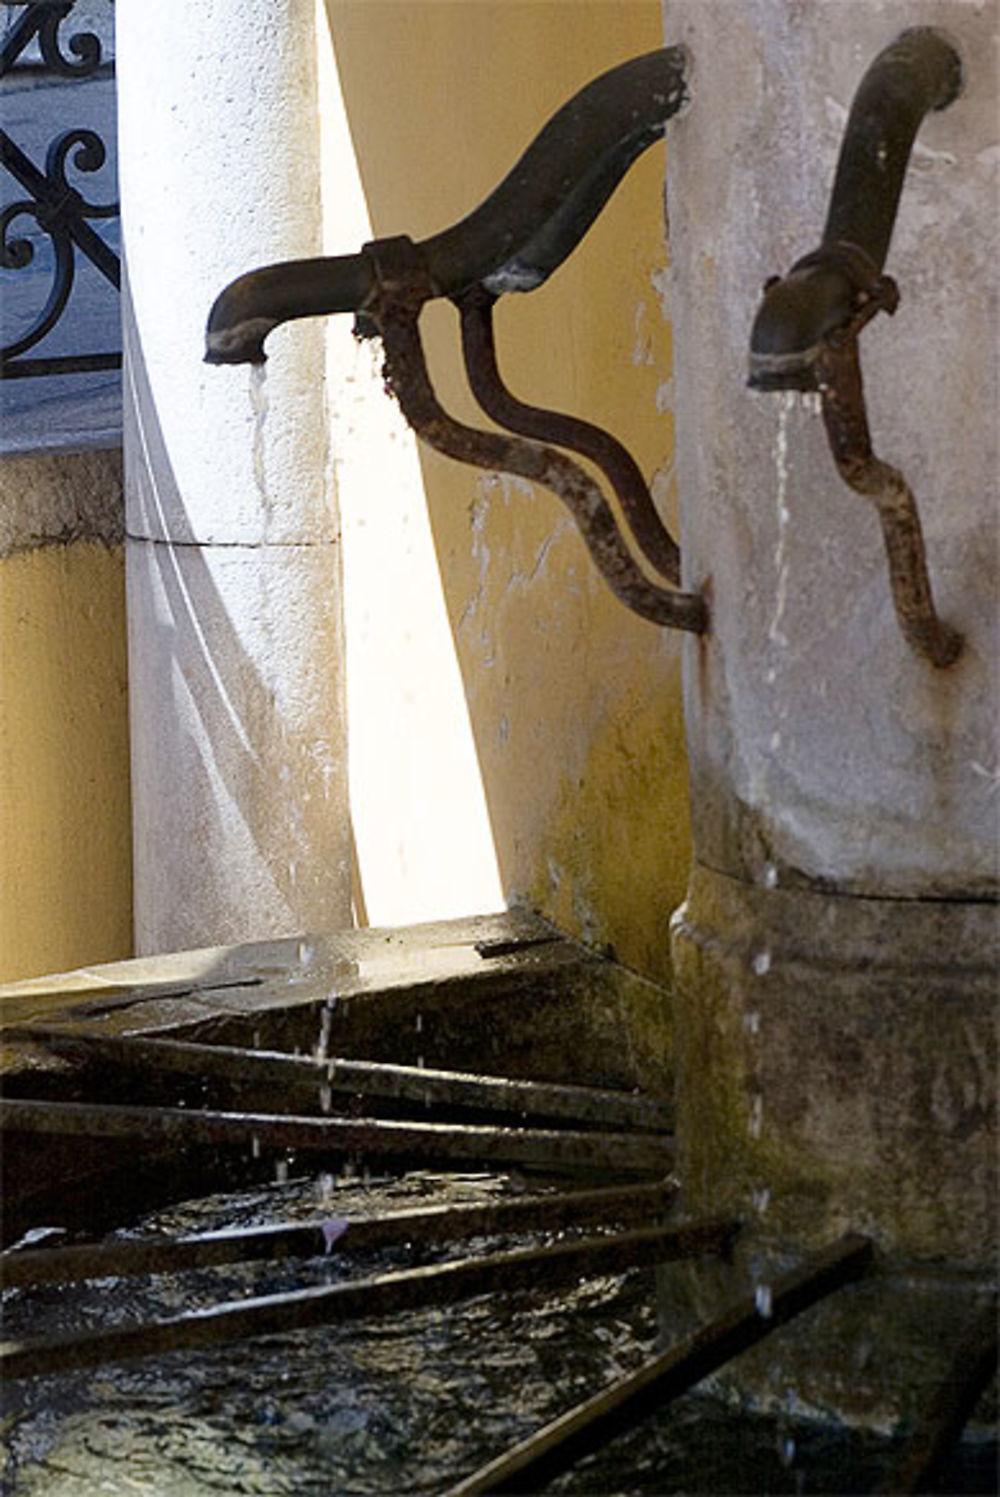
(59,498)
(840,1054)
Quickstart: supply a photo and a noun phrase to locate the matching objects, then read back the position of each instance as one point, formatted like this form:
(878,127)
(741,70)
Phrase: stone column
(835,956)
(236,681)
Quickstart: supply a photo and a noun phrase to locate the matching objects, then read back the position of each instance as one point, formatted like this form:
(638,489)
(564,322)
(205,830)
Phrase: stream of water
(259,407)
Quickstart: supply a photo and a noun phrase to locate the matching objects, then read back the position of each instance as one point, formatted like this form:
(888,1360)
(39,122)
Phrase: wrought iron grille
(47,227)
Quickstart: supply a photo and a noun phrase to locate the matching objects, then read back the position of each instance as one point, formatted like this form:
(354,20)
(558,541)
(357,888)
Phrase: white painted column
(236,678)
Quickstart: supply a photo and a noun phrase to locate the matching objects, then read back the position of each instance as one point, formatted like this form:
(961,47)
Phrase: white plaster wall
(818,742)
(236,687)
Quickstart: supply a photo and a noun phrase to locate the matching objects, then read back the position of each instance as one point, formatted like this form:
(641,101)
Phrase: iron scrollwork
(58,209)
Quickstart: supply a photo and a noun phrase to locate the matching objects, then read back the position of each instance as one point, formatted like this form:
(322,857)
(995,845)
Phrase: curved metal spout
(805,335)
(512,242)
(918,72)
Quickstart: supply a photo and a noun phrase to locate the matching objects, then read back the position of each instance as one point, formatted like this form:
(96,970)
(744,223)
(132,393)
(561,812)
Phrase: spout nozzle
(776,372)
(255,304)
(242,344)
(798,312)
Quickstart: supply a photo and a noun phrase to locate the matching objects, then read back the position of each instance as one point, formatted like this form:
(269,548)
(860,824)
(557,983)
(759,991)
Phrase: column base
(836,1063)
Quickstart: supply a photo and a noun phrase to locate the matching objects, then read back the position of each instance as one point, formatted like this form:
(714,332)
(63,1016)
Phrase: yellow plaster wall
(575,703)
(65,840)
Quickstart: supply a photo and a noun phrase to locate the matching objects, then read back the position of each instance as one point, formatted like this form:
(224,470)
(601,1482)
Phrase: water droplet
(420,1062)
(325,1098)
(770,876)
(255,1147)
(786,1449)
(333,1230)
(751,1021)
(761,1200)
(325,1022)
(307,953)
(775,632)
(762,1298)
(762,962)
(418,1023)
(756,1120)
(281,1171)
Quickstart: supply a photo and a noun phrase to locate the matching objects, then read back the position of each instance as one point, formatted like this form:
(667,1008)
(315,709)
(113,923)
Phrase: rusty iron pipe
(841,390)
(560,430)
(393,312)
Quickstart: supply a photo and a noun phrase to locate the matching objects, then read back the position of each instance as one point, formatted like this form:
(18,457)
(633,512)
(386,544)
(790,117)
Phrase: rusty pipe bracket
(401,284)
(836,287)
(871,291)
(841,389)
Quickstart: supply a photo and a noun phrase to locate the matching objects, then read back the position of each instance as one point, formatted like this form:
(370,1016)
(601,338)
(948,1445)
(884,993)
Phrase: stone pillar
(835,956)
(236,681)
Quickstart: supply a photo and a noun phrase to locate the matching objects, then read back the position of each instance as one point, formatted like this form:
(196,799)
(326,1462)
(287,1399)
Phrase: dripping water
(755,1122)
(259,408)
(761,1199)
(775,632)
(322,1047)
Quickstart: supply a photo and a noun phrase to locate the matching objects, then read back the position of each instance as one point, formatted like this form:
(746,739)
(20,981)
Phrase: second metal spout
(805,334)
(918,72)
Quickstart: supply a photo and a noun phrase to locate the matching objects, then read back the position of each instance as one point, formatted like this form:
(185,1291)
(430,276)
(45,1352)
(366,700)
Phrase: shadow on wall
(181,610)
